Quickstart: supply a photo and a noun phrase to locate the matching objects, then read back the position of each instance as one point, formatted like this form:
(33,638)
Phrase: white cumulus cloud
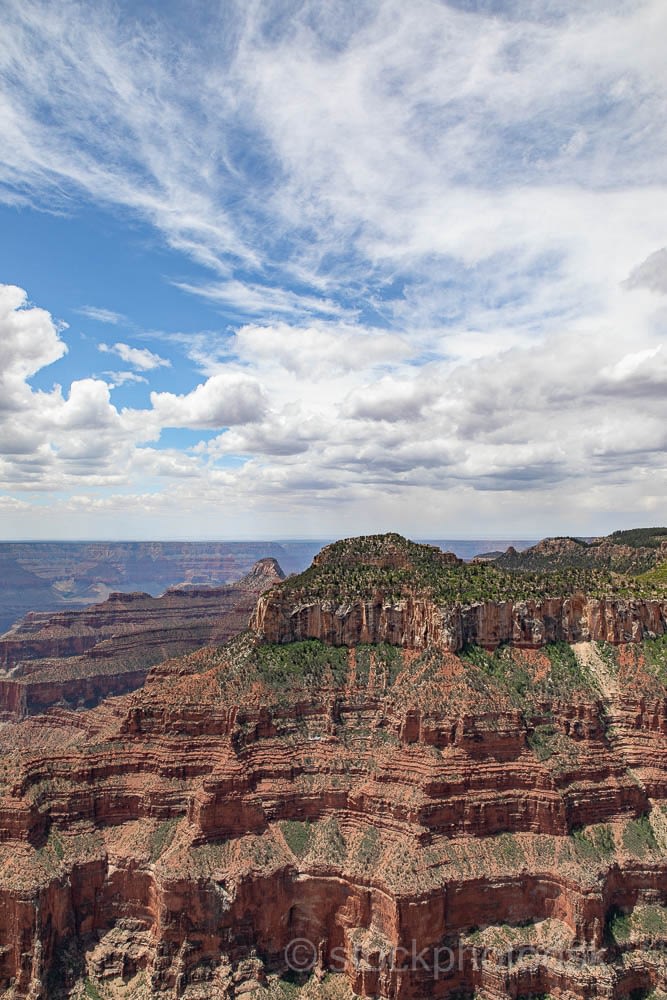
(29,339)
(222,400)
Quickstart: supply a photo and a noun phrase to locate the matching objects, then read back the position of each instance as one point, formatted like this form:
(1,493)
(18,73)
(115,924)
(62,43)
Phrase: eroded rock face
(417,623)
(186,834)
(384,588)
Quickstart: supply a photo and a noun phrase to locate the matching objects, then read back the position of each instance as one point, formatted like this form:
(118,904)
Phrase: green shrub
(162,837)
(620,927)
(288,989)
(655,655)
(501,668)
(56,844)
(638,837)
(594,843)
(308,662)
(567,674)
(370,848)
(388,662)
(507,849)
(298,836)
(540,740)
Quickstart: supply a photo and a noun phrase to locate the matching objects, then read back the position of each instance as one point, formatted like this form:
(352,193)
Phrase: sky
(303,269)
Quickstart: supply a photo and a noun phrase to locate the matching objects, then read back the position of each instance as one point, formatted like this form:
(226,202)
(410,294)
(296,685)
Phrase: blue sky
(299,269)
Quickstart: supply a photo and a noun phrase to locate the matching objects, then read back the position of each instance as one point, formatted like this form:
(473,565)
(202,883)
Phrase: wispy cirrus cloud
(138,357)
(315,166)
(102,315)
(242,299)
(122,378)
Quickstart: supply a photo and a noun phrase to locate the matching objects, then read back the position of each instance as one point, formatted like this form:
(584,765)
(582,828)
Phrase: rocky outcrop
(384,588)
(630,552)
(416,623)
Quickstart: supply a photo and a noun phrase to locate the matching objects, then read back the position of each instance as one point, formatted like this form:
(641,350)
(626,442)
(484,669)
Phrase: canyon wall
(426,818)
(48,576)
(183,838)
(415,623)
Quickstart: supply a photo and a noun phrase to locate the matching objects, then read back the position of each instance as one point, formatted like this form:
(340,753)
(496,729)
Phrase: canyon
(374,791)
(76,658)
(49,576)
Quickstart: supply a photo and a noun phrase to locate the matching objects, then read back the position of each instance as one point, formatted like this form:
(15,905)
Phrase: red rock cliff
(184,835)
(416,623)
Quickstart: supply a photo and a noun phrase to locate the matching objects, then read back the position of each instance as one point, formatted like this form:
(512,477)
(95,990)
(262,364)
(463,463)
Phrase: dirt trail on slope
(588,656)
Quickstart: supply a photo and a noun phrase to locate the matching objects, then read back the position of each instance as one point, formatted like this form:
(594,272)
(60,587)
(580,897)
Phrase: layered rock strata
(183,838)
(79,657)
(416,623)
(364,811)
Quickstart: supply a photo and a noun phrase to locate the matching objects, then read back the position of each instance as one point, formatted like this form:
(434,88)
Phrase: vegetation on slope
(640,667)
(393,567)
(656,577)
(251,674)
(623,553)
(275,673)
(553,673)
(637,537)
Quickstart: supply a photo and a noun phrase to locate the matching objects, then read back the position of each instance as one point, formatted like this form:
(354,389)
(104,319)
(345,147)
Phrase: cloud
(651,273)
(306,414)
(121,378)
(139,357)
(222,400)
(102,315)
(280,434)
(316,168)
(319,350)
(434,233)
(246,298)
(88,407)
(639,373)
(29,339)
(391,399)
(11,504)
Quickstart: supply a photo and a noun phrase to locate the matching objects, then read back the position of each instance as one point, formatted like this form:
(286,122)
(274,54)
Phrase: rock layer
(416,623)
(177,835)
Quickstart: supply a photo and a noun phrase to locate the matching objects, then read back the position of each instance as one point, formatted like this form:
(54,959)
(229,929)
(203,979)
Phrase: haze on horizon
(301,270)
